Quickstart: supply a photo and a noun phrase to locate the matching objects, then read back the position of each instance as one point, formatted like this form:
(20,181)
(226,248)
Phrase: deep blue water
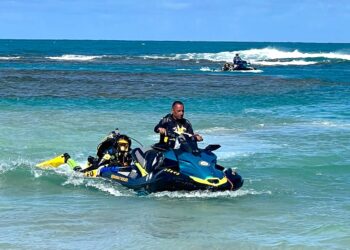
(285,127)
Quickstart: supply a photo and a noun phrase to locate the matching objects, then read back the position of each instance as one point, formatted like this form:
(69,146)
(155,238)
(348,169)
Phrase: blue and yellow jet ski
(185,167)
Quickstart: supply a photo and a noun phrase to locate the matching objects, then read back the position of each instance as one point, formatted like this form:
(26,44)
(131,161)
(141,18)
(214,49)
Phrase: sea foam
(74,58)
(9,57)
(266,56)
(208,194)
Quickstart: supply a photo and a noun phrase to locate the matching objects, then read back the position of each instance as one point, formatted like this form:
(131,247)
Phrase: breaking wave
(9,57)
(74,58)
(280,63)
(265,56)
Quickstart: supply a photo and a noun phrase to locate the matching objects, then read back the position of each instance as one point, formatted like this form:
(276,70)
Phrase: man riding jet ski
(176,162)
(184,167)
(238,64)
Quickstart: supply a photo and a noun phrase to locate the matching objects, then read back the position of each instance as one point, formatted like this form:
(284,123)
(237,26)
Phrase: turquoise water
(285,127)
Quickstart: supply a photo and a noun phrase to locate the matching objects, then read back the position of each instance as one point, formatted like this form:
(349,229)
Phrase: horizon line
(146,40)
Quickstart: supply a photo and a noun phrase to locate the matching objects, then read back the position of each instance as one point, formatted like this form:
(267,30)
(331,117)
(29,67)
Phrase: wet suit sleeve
(189,127)
(159,125)
(163,123)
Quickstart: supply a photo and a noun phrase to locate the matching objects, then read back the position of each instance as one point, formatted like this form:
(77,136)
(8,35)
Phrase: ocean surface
(285,127)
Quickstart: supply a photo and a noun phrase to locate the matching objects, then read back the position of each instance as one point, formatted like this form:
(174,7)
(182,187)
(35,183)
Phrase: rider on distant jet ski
(237,59)
(238,62)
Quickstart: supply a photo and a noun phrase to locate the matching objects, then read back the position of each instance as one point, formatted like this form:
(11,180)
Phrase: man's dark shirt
(171,125)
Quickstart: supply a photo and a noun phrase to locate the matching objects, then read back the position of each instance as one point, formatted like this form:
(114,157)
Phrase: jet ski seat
(138,155)
(148,159)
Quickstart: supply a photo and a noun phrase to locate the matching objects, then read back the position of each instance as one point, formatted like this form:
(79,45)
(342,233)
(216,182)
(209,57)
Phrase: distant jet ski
(242,66)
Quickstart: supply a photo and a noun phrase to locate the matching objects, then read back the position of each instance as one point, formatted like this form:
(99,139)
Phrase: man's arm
(161,126)
(156,128)
(189,130)
(188,127)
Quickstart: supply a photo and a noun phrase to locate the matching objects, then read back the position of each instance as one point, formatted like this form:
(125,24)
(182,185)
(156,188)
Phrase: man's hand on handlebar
(198,137)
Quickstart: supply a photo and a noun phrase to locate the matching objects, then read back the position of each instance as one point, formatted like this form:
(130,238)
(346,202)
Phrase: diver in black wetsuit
(114,150)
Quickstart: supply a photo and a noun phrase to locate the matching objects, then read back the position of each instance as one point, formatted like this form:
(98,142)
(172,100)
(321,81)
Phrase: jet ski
(242,66)
(182,168)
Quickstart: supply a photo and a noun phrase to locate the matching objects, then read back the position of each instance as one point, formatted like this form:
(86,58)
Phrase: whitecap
(330,124)
(265,56)
(284,63)
(159,57)
(78,179)
(9,57)
(13,164)
(237,145)
(107,187)
(205,69)
(272,53)
(74,58)
(215,130)
(183,69)
(249,71)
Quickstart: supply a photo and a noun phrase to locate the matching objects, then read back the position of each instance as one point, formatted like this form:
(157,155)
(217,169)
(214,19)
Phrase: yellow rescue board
(60,160)
(54,162)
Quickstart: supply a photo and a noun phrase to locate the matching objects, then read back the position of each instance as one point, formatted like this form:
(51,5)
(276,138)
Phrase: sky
(177,20)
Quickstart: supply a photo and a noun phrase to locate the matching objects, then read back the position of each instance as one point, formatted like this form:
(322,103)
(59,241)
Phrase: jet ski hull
(169,180)
(231,67)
